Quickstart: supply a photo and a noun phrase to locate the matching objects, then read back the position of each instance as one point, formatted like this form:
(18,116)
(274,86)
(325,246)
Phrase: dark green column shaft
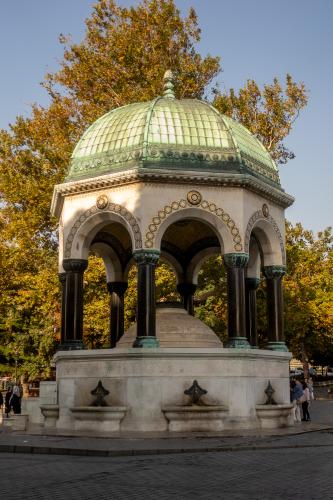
(73,304)
(274,275)
(146,301)
(235,263)
(62,279)
(187,291)
(117,291)
(251,285)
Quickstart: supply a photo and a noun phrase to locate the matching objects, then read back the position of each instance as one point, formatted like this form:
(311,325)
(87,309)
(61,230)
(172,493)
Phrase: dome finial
(169,85)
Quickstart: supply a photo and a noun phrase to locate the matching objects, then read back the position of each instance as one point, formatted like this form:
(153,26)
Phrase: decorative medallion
(265,210)
(102,201)
(194,197)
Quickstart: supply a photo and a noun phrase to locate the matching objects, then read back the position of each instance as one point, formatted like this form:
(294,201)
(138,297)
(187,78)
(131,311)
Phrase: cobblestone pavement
(301,467)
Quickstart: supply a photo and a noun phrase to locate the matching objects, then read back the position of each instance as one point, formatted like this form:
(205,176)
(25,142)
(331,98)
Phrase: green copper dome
(169,134)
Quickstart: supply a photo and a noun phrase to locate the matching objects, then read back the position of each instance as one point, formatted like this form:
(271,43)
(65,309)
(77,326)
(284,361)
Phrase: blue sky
(256,39)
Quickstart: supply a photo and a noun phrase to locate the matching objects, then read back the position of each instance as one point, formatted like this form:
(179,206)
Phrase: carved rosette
(194,197)
(102,202)
(274,271)
(265,210)
(235,259)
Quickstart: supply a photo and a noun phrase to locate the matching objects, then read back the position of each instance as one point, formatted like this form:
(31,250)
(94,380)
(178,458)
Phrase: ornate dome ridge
(170,134)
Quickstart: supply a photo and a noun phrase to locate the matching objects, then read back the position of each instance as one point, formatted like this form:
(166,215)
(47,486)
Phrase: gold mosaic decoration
(205,205)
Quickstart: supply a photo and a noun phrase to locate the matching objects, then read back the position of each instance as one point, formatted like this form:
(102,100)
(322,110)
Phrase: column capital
(75,265)
(252,283)
(277,271)
(118,287)
(146,256)
(235,259)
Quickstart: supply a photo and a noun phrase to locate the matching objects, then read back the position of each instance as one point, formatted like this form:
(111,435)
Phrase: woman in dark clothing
(7,401)
(15,400)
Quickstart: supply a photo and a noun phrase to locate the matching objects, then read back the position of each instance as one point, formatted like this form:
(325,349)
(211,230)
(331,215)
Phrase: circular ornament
(265,210)
(194,197)
(102,202)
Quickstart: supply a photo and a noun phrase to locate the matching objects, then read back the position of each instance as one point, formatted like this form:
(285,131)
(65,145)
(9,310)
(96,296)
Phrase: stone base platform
(146,381)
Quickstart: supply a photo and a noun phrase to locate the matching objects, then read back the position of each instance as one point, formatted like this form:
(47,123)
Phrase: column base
(146,342)
(277,346)
(238,343)
(71,345)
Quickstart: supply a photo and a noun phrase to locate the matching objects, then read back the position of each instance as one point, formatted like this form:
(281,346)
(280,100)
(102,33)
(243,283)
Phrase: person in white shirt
(305,404)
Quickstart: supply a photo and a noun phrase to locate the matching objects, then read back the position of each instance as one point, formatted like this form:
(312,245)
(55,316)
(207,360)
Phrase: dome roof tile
(167,133)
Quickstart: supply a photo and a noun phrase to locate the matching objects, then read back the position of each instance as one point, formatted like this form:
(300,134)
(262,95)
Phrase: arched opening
(264,301)
(188,243)
(93,296)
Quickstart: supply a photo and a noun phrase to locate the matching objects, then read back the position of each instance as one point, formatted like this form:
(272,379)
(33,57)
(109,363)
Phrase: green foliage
(268,113)
(211,296)
(309,294)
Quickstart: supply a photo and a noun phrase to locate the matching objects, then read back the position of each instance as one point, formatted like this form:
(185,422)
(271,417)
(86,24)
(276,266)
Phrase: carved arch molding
(257,216)
(112,208)
(176,206)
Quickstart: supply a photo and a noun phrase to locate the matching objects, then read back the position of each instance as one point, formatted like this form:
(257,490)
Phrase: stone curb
(50,450)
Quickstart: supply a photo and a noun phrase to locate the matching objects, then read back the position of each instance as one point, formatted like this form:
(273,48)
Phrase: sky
(257,39)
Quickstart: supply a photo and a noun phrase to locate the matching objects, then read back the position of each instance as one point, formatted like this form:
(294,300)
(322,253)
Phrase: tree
(309,294)
(122,59)
(268,113)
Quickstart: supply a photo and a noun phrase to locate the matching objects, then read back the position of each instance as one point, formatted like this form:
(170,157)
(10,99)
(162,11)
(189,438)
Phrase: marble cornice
(246,181)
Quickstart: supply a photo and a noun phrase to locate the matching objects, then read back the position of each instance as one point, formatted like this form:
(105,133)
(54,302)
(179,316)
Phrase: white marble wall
(147,380)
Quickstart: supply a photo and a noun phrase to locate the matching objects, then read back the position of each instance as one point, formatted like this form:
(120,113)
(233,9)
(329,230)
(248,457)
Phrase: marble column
(72,308)
(187,291)
(235,264)
(146,302)
(274,275)
(251,285)
(117,291)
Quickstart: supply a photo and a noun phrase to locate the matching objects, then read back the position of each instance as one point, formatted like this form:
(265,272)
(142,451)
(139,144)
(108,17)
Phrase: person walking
(306,402)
